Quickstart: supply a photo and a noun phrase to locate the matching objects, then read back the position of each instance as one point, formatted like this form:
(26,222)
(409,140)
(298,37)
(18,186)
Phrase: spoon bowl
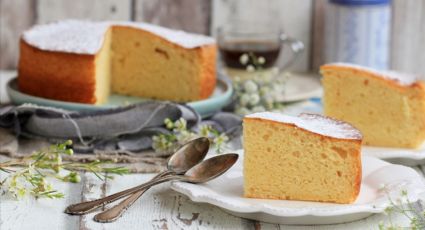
(188,155)
(211,168)
(200,173)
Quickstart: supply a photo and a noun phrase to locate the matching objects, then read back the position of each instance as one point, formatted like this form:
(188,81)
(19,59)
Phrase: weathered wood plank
(30,213)
(189,15)
(371,222)
(295,18)
(408,36)
(162,208)
(15,17)
(51,10)
(93,188)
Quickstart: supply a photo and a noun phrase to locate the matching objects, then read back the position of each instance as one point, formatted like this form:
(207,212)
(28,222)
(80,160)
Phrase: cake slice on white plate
(309,157)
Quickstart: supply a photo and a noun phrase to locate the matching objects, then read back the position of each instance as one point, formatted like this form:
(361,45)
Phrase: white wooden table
(159,208)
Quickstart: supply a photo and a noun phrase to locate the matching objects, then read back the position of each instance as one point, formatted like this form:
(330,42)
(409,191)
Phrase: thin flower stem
(31,173)
(404,208)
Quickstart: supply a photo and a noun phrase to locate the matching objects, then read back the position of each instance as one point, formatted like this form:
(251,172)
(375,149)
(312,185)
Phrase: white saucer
(301,86)
(226,192)
(411,157)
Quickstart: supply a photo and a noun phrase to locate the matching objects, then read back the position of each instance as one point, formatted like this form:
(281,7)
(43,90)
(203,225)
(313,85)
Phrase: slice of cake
(309,157)
(387,107)
(83,61)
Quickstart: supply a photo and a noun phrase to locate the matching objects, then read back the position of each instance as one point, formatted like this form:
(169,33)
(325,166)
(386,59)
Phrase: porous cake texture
(387,107)
(83,61)
(309,157)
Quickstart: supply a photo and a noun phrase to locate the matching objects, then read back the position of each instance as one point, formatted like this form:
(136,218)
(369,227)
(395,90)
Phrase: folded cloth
(128,128)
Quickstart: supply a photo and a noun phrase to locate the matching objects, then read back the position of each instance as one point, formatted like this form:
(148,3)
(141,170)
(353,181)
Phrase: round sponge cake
(83,61)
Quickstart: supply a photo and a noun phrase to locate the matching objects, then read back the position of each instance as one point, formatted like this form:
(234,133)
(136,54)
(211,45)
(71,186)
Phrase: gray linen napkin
(128,128)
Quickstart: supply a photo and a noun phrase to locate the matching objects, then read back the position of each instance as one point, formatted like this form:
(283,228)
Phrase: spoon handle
(116,212)
(85,207)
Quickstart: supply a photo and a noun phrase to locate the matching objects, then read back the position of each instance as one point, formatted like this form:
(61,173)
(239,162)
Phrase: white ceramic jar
(358,31)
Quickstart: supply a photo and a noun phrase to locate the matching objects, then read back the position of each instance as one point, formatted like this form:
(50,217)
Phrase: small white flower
(243,59)
(205,130)
(254,99)
(244,99)
(250,86)
(261,60)
(180,124)
(220,139)
(250,68)
(169,123)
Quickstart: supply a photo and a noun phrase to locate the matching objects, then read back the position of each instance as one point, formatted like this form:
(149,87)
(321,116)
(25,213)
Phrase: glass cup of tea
(247,44)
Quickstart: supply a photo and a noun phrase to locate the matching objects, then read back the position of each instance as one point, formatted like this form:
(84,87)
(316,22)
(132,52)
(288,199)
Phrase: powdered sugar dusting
(187,40)
(314,123)
(401,78)
(71,36)
(86,37)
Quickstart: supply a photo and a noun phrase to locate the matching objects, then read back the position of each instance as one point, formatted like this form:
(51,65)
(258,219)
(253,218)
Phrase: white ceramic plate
(226,193)
(301,87)
(409,157)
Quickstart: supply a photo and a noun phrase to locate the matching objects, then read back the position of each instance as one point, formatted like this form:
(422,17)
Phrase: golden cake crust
(56,75)
(381,77)
(208,70)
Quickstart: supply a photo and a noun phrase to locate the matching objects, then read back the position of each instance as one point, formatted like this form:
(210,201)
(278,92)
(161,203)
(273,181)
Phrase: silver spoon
(200,173)
(181,161)
(187,156)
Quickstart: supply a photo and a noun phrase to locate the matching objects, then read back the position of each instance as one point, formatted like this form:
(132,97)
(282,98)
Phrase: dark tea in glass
(261,40)
(232,51)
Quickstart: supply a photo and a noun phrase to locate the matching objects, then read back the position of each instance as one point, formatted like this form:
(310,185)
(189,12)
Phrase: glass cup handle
(296,47)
